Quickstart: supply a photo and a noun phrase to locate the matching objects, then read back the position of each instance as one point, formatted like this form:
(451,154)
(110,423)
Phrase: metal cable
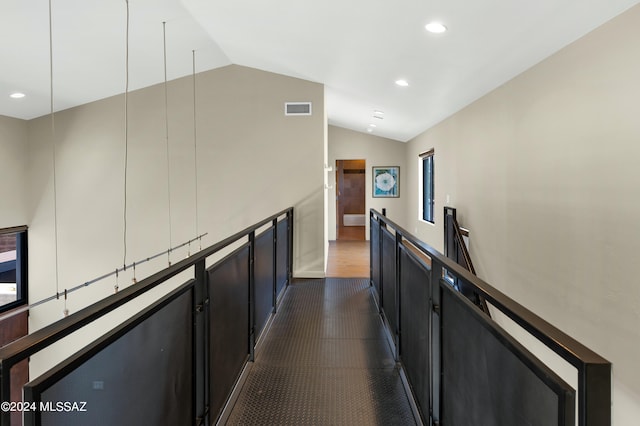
(53,137)
(195,142)
(166,122)
(126,138)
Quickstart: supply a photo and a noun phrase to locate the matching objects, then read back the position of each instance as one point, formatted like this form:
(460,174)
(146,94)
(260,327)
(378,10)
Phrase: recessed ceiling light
(369,129)
(17,95)
(402,83)
(377,112)
(372,125)
(435,27)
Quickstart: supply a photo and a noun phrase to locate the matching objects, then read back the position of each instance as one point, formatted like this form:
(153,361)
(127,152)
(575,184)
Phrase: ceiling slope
(357,49)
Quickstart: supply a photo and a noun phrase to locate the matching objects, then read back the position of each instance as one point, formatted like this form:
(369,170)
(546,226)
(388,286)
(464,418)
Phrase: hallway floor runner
(324,361)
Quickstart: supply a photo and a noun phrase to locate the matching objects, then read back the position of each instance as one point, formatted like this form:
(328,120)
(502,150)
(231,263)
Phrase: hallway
(325,361)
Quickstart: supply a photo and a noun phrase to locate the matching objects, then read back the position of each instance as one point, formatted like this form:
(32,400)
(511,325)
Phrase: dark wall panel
(143,377)
(281,255)
(489,379)
(263,279)
(415,323)
(374,229)
(229,313)
(389,278)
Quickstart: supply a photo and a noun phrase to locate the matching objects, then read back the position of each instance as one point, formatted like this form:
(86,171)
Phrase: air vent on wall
(297,108)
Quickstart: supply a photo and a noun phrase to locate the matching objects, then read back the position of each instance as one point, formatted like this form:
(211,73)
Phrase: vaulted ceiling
(358,49)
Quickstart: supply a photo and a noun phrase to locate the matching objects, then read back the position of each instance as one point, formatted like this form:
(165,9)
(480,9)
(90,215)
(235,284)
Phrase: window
(426,206)
(13,267)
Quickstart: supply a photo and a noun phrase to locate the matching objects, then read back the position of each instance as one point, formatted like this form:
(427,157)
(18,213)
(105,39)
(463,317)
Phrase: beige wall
(544,172)
(347,144)
(252,162)
(13,179)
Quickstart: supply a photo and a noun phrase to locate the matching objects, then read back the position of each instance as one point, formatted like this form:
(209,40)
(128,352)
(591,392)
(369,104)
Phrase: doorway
(350,200)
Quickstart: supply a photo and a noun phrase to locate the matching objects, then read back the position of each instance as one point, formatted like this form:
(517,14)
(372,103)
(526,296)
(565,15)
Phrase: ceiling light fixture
(369,129)
(377,112)
(435,27)
(402,83)
(17,95)
(372,125)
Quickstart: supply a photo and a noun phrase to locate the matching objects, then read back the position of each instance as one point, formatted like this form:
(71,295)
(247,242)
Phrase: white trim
(308,274)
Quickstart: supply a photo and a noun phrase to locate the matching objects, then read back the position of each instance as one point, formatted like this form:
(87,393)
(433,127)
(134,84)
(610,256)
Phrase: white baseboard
(308,274)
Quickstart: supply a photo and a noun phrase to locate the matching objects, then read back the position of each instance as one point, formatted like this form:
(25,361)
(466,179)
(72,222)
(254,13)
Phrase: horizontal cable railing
(261,267)
(66,292)
(458,361)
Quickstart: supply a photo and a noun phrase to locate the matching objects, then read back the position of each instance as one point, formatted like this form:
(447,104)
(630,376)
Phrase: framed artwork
(386,182)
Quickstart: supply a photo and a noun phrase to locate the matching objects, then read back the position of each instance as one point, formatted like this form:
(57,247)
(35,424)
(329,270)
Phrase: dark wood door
(350,199)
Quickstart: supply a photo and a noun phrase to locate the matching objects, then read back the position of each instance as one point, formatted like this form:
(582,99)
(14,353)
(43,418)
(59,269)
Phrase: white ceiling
(356,48)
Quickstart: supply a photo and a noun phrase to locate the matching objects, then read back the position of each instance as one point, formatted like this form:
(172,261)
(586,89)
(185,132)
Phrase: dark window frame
(427,207)
(22,267)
